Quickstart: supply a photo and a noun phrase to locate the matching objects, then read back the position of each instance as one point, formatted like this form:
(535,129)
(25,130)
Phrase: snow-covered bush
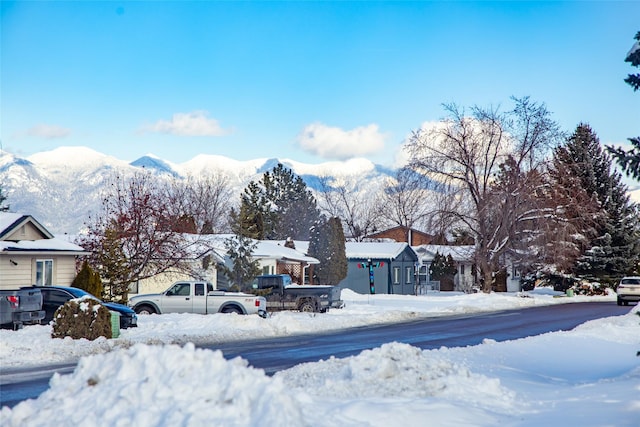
(82,318)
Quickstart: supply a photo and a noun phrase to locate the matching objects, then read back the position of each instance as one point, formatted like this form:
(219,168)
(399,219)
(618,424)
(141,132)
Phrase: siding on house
(25,231)
(396,275)
(15,274)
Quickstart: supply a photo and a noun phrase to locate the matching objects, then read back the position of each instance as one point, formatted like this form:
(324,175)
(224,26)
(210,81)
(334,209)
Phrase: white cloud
(48,131)
(335,143)
(195,123)
(402,156)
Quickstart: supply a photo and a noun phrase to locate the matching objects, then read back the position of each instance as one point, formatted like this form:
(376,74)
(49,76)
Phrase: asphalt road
(275,354)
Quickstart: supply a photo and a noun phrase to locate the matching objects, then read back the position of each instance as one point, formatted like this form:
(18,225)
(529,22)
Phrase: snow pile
(153,385)
(397,370)
(589,376)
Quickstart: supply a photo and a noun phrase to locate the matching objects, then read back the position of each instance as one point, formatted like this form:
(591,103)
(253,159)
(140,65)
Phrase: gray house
(393,266)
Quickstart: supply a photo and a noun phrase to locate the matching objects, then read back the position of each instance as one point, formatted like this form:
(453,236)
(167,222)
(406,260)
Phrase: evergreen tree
(442,267)
(614,249)
(88,280)
(327,244)
(240,249)
(633,57)
(3,197)
(247,221)
(114,267)
(278,206)
(244,268)
(629,160)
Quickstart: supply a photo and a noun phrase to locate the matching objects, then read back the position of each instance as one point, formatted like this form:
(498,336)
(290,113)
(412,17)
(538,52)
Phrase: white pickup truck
(200,298)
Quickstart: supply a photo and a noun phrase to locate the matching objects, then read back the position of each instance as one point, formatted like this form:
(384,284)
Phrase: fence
(431,286)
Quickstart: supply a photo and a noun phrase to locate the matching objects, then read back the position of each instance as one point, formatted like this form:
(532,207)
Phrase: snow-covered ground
(154,376)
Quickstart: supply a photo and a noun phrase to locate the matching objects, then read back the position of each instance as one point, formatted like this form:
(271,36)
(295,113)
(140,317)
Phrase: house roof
(362,250)
(375,250)
(458,253)
(273,249)
(42,245)
(11,221)
(267,249)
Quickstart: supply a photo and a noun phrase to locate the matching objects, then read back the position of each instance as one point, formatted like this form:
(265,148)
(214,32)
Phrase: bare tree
(466,152)
(405,200)
(205,199)
(138,234)
(356,209)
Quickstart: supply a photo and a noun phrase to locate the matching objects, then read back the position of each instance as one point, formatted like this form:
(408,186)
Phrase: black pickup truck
(282,294)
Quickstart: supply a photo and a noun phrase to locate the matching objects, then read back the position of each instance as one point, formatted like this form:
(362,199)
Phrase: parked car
(628,290)
(55,296)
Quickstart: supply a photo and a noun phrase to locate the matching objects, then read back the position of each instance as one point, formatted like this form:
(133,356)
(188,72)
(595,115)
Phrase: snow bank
(156,386)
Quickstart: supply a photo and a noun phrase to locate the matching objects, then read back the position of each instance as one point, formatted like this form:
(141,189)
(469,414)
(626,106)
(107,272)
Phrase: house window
(516,272)
(396,275)
(408,274)
(44,272)
(462,269)
(266,270)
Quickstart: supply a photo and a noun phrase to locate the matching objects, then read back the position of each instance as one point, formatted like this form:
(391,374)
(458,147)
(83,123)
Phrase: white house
(31,255)
(273,258)
(463,281)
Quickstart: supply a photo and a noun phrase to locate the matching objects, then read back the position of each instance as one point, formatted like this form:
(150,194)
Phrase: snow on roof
(375,250)
(55,244)
(7,219)
(458,253)
(272,249)
(266,249)
(361,250)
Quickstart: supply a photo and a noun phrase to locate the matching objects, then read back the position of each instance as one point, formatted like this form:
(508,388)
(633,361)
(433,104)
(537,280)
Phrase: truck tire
(145,309)
(232,309)
(307,306)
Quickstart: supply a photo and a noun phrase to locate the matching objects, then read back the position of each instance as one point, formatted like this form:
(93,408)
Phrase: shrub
(82,318)
(89,280)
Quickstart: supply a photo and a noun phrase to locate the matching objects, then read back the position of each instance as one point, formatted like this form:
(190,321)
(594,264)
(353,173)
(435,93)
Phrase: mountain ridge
(62,187)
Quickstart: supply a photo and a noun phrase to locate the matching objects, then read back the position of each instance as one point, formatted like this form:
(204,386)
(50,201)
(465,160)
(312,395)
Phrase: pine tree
(240,249)
(614,249)
(88,280)
(244,268)
(629,160)
(442,267)
(279,206)
(114,268)
(3,197)
(327,244)
(633,57)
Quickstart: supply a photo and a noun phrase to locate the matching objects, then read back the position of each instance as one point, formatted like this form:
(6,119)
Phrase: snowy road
(275,354)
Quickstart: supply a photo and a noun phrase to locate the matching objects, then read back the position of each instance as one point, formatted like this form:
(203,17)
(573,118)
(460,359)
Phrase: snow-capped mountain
(60,188)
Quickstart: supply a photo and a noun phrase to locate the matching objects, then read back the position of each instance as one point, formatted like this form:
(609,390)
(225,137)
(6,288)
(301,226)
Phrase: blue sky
(307,81)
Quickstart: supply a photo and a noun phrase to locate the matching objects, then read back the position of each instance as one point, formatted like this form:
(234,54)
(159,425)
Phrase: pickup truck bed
(20,306)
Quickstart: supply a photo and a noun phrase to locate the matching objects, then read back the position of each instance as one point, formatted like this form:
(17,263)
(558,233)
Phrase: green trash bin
(569,292)
(115,324)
